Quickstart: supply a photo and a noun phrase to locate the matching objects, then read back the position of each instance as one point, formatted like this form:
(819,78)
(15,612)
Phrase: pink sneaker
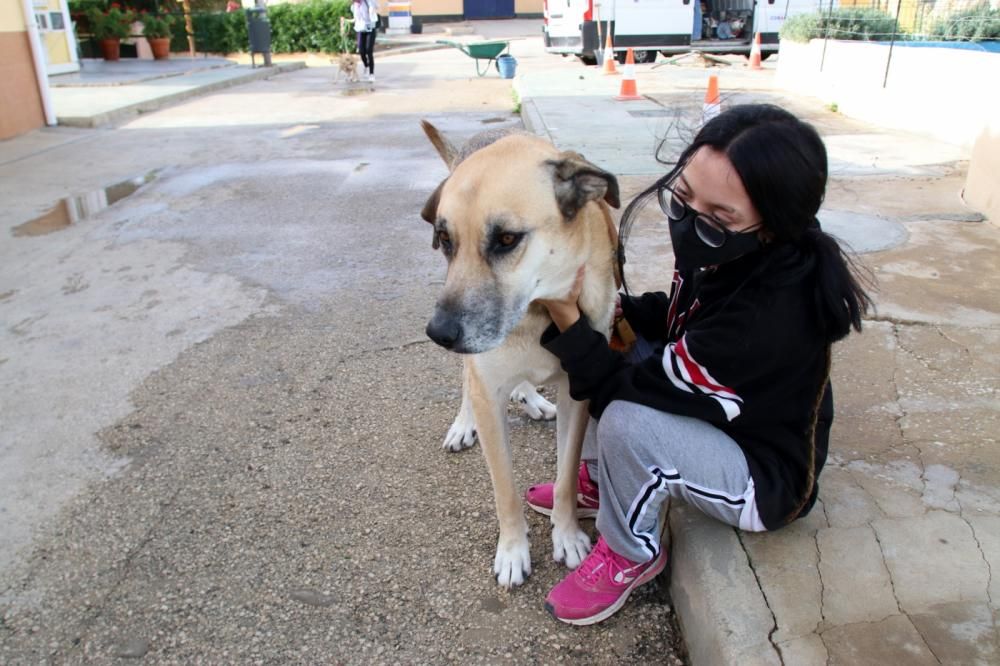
(600,585)
(540,497)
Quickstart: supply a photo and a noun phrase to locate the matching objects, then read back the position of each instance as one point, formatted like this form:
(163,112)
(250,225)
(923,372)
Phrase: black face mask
(691,252)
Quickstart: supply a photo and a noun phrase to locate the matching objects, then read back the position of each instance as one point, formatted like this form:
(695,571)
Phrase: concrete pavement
(104,94)
(896,563)
(222,420)
(238,420)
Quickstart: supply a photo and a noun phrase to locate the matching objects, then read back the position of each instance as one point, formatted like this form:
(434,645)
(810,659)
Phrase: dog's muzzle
(444,329)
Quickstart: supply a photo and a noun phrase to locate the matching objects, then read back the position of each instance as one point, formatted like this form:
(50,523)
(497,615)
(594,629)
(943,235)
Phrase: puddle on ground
(487,121)
(75,209)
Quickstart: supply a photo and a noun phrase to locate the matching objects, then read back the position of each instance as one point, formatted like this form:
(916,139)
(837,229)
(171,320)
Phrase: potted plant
(156,29)
(110,27)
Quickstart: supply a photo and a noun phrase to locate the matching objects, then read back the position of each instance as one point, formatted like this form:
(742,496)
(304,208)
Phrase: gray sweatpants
(644,457)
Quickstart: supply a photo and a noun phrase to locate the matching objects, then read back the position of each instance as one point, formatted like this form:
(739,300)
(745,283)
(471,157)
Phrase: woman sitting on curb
(725,400)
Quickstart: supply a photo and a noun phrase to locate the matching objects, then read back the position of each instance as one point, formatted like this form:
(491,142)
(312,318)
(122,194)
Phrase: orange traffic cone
(628,89)
(755,53)
(609,57)
(713,105)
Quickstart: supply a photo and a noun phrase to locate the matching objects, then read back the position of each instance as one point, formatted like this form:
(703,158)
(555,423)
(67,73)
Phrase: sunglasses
(710,230)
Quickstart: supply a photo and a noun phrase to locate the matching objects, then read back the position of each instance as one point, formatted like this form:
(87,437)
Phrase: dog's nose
(444,330)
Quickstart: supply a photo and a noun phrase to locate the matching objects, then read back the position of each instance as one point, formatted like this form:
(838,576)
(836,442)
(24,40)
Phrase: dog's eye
(506,241)
(445,241)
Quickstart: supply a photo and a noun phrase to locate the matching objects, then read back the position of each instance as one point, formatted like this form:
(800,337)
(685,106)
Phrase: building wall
(437,8)
(454,8)
(948,94)
(20,102)
(528,7)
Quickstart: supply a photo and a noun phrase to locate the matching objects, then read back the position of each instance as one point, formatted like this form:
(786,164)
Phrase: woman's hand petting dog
(566,311)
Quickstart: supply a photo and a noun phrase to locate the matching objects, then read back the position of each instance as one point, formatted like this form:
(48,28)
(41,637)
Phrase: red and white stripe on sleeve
(689,375)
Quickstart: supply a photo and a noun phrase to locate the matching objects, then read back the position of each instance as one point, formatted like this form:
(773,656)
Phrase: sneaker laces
(600,558)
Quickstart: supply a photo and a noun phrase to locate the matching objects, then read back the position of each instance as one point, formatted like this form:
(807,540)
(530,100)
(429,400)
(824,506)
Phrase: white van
(667,26)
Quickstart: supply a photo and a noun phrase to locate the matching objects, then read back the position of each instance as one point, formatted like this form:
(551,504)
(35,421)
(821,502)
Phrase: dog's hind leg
(532,403)
(462,433)
(512,563)
(570,544)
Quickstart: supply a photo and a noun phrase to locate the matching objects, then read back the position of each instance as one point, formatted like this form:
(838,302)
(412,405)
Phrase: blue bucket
(507,66)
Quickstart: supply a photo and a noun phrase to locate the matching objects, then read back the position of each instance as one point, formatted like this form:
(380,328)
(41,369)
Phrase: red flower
(115,5)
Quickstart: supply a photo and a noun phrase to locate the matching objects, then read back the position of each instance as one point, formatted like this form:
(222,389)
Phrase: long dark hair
(782,162)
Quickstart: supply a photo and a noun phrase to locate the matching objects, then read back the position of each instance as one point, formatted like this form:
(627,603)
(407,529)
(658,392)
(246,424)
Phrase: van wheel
(645,57)
(641,56)
(588,60)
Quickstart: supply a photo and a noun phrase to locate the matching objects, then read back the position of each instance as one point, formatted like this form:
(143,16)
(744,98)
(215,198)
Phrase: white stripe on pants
(645,457)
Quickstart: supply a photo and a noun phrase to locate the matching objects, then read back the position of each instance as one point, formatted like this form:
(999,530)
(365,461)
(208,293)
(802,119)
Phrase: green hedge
(213,33)
(974,25)
(846,23)
(312,26)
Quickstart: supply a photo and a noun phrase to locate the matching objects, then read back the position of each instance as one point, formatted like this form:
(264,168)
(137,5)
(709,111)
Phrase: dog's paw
(461,435)
(570,545)
(532,403)
(512,563)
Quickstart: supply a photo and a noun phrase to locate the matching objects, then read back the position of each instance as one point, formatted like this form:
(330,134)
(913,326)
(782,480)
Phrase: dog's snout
(444,329)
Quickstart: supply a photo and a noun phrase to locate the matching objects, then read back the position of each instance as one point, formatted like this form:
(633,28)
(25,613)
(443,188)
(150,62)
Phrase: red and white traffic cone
(609,56)
(629,92)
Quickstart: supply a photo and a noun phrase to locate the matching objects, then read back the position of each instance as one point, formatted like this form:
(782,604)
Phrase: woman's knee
(616,429)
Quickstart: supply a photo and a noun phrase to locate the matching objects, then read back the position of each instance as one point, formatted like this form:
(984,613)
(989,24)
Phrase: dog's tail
(445,149)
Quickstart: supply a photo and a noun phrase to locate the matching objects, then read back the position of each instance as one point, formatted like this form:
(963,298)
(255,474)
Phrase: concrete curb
(532,119)
(122,113)
(142,79)
(722,611)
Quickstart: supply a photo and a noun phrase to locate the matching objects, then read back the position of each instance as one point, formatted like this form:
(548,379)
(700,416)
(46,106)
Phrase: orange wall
(20,102)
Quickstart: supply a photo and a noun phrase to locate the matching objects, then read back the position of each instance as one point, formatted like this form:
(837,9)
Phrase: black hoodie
(738,347)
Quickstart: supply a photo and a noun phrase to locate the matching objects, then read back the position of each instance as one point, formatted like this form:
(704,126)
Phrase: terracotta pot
(111,49)
(160,47)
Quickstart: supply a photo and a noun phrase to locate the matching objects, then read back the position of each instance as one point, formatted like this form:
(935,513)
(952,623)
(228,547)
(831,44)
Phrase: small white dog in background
(347,64)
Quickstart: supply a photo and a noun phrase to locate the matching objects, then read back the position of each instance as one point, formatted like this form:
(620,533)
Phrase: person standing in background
(365,13)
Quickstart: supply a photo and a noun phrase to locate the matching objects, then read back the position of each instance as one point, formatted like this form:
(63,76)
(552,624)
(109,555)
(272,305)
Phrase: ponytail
(839,295)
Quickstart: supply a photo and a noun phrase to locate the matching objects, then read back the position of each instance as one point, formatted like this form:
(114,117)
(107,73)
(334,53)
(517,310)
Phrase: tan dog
(347,64)
(515,219)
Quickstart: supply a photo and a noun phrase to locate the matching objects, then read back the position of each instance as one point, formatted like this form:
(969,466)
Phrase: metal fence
(959,23)
(910,20)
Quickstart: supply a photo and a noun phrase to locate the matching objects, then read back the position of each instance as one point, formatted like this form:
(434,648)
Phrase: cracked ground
(898,556)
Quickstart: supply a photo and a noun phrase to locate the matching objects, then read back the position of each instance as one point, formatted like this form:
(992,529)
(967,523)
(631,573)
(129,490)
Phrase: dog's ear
(445,149)
(430,209)
(576,181)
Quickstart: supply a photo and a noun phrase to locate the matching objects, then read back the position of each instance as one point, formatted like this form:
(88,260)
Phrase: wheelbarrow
(479,51)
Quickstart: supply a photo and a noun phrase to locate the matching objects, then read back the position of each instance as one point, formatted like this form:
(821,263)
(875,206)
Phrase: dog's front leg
(513,558)
(570,544)
(462,433)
